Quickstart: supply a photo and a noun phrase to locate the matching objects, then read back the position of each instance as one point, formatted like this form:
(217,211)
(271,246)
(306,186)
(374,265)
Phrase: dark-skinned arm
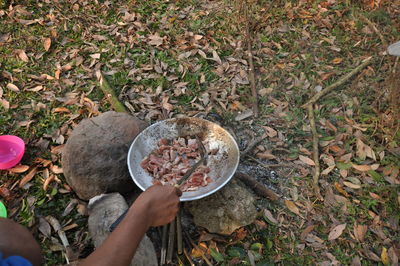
(156,206)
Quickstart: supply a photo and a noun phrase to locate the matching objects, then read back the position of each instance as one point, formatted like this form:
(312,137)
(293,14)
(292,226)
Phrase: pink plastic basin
(12,149)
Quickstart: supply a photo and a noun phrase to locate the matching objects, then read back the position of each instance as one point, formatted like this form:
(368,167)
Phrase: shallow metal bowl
(223,164)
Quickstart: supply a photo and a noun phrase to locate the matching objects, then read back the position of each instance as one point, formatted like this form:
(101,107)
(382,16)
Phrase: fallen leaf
(61,110)
(12,87)
(306,160)
(328,170)
(359,232)
(28,177)
(44,227)
(265,155)
(19,169)
(292,207)
(156,39)
(361,168)
(48,181)
(270,131)
(269,216)
(95,56)
(56,169)
(36,88)
(306,231)
(343,173)
(336,232)
(385,257)
(22,55)
(5,104)
(46,44)
(340,189)
(351,185)
(337,60)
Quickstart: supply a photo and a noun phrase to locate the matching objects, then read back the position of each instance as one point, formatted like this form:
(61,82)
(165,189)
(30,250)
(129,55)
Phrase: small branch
(374,29)
(338,83)
(179,232)
(315,140)
(317,169)
(251,65)
(207,261)
(171,241)
(164,244)
(109,93)
(188,257)
(258,188)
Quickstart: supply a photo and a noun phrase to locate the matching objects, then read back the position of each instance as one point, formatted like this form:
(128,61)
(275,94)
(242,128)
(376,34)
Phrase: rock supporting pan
(223,164)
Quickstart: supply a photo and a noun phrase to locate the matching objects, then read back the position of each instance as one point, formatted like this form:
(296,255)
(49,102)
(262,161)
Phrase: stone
(94,157)
(224,211)
(103,211)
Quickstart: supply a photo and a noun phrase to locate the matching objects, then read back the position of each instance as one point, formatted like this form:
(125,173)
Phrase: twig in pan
(179,232)
(171,241)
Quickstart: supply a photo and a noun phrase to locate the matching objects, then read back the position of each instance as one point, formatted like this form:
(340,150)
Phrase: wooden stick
(188,257)
(179,232)
(109,93)
(375,29)
(338,83)
(317,168)
(164,244)
(258,188)
(251,64)
(171,241)
(207,261)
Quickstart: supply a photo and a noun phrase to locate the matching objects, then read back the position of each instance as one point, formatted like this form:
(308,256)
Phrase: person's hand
(161,203)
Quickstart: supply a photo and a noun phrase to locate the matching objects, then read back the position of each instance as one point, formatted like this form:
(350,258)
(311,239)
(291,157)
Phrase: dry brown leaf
(265,155)
(269,216)
(337,60)
(351,185)
(56,169)
(306,231)
(361,168)
(95,56)
(292,207)
(46,44)
(343,173)
(306,160)
(36,88)
(340,189)
(360,231)
(336,232)
(5,104)
(156,39)
(48,181)
(22,55)
(328,170)
(61,110)
(270,131)
(19,169)
(12,87)
(28,177)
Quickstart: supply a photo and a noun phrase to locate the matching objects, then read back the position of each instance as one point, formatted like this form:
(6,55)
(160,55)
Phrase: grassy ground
(184,57)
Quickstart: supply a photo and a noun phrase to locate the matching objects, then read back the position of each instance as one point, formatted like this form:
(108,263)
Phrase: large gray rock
(94,157)
(224,211)
(103,211)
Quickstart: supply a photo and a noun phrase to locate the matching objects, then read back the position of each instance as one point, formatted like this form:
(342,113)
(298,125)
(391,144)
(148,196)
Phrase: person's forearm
(119,248)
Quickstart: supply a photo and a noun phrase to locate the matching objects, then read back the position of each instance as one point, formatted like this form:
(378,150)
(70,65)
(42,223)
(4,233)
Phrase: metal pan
(223,164)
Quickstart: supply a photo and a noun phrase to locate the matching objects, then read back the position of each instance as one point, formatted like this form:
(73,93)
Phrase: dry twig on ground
(258,188)
(374,29)
(109,93)
(338,83)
